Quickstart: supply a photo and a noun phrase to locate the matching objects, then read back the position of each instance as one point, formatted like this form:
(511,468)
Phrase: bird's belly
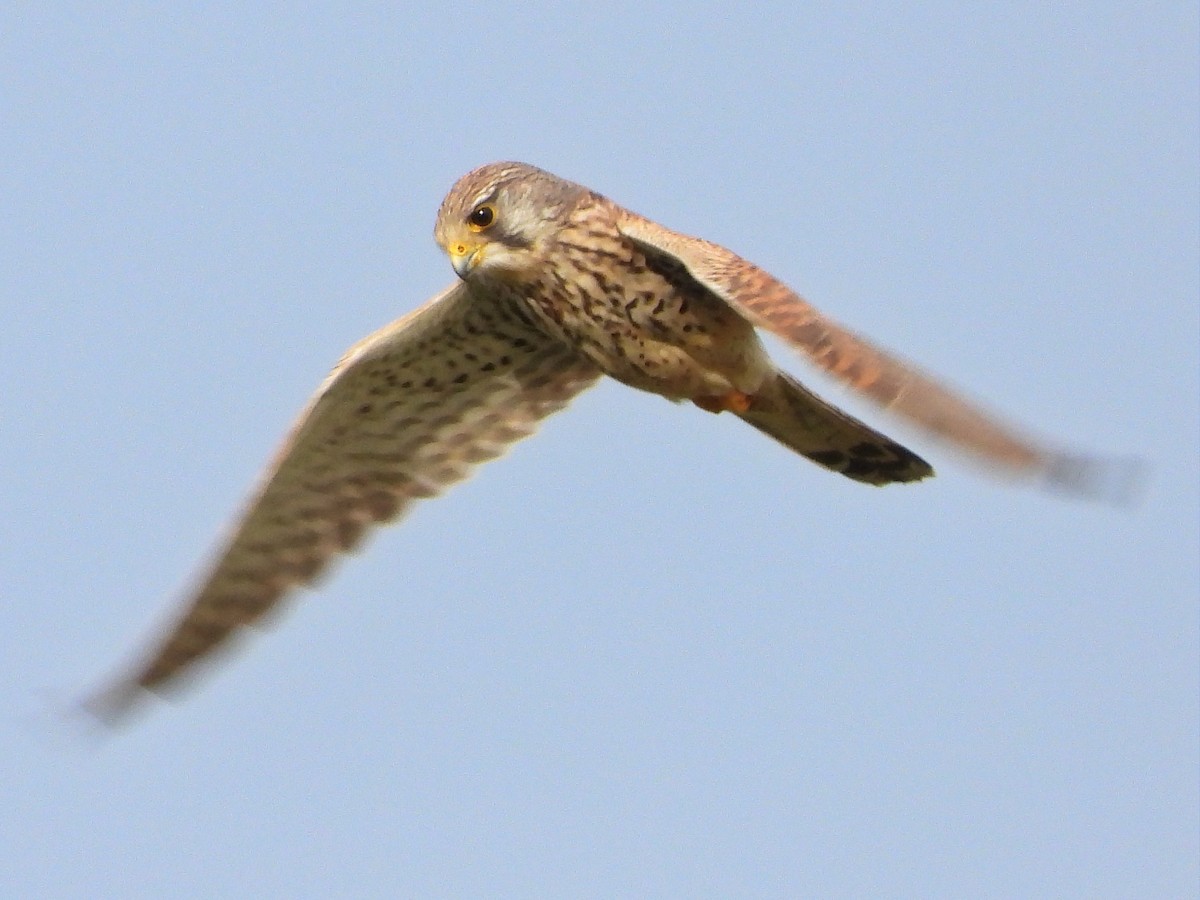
(658,340)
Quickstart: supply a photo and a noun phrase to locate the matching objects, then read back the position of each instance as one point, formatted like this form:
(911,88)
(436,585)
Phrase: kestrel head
(494,217)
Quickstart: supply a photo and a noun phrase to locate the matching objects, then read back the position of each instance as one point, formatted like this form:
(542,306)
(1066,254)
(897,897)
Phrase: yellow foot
(733,401)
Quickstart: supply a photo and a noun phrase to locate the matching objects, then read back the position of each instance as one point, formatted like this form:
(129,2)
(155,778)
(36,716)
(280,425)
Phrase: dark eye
(482,217)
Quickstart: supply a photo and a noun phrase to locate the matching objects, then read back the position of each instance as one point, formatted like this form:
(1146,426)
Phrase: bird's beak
(465,257)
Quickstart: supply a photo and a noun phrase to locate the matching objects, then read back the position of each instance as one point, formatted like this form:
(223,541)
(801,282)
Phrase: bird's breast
(647,327)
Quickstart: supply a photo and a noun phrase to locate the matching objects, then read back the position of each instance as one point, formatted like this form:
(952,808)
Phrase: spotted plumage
(558,285)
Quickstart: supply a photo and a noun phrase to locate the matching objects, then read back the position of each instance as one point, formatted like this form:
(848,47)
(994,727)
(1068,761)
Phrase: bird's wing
(890,381)
(408,411)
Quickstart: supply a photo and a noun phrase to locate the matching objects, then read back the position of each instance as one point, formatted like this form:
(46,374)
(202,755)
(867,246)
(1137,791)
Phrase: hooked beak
(465,257)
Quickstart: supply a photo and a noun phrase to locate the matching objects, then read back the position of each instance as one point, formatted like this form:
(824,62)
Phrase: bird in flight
(557,286)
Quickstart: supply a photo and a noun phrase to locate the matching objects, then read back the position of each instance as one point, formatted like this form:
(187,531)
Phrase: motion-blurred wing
(407,412)
(894,383)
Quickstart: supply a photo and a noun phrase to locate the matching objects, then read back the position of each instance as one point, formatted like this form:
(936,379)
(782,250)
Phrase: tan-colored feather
(894,383)
(407,412)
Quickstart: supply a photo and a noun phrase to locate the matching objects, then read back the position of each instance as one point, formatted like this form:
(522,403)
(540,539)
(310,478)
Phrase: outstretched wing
(894,383)
(407,412)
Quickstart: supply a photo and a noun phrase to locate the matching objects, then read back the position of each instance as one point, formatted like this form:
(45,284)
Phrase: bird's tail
(797,418)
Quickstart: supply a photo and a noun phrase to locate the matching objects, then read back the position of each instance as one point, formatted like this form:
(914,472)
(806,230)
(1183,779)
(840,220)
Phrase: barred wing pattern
(407,412)
(897,385)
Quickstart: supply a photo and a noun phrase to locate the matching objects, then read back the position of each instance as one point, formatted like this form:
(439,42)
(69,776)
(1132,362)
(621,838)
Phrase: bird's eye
(482,217)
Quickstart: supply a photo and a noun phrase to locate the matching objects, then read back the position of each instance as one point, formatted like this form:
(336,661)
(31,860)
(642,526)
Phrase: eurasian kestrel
(557,286)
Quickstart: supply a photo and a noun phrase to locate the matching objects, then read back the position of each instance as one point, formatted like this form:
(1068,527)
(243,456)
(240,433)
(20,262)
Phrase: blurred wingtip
(112,707)
(1114,481)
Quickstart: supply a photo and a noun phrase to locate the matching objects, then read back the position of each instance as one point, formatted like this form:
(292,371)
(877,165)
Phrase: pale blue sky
(650,653)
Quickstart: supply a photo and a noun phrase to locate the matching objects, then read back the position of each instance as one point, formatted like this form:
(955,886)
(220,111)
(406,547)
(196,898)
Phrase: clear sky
(650,653)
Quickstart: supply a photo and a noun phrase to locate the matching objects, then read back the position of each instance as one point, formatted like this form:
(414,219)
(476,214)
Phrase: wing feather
(407,412)
(892,382)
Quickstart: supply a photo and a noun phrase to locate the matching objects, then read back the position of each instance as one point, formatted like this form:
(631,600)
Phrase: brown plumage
(558,286)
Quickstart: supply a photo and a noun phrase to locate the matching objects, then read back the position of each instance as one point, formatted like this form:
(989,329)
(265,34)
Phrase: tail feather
(799,419)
